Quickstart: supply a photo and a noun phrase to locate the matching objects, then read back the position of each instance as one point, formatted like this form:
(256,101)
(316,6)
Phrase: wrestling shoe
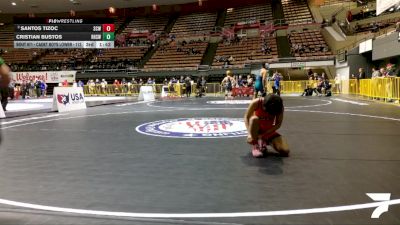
(256,151)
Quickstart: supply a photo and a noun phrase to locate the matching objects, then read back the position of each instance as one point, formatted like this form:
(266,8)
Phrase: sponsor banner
(195,128)
(146,94)
(298,64)
(242,91)
(46,76)
(68,99)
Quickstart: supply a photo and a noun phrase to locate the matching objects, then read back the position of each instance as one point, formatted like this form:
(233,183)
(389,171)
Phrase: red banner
(242,91)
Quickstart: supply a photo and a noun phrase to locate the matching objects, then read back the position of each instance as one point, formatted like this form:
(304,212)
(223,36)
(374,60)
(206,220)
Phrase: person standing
(43,88)
(358,77)
(188,84)
(182,86)
(277,77)
(11,89)
(260,84)
(338,83)
(376,73)
(24,89)
(203,86)
(37,88)
(227,84)
(80,83)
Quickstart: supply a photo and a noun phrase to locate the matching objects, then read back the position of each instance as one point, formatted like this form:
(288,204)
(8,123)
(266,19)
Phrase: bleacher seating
(6,36)
(169,57)
(196,23)
(65,55)
(308,44)
(19,55)
(249,49)
(151,24)
(118,23)
(134,53)
(255,12)
(296,12)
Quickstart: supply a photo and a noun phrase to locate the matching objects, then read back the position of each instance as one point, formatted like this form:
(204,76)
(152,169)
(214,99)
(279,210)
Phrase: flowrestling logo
(195,128)
(70,98)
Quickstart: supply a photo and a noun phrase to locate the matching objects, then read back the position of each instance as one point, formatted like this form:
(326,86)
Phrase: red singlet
(266,121)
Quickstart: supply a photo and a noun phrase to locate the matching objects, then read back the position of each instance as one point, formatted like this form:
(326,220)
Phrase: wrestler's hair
(273,104)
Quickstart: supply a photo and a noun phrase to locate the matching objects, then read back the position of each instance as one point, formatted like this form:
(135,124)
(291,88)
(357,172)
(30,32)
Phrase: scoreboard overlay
(64,33)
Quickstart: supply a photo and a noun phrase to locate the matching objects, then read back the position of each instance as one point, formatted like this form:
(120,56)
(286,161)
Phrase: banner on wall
(46,76)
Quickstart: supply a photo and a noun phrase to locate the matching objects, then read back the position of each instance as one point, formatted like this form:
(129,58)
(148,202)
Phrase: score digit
(108,36)
(108,28)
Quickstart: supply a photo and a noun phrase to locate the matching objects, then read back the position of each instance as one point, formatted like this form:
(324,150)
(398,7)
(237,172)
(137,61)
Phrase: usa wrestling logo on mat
(195,128)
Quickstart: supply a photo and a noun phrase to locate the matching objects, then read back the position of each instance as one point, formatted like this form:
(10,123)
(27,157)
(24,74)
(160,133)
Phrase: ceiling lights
(13,3)
(111,10)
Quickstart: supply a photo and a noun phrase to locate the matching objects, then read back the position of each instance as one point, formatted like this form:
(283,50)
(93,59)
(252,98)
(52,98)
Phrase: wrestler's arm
(278,124)
(250,112)
(4,74)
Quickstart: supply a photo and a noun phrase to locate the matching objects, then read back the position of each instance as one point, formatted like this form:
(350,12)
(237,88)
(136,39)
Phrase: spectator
(117,86)
(231,60)
(376,73)
(198,87)
(104,86)
(11,88)
(188,84)
(361,74)
(24,89)
(43,88)
(203,85)
(338,83)
(80,83)
(326,88)
(250,81)
(37,88)
(64,83)
(277,77)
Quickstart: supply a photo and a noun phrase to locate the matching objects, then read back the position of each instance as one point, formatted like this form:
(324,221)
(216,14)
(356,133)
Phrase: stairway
(221,16)
(147,56)
(170,24)
(123,26)
(283,47)
(277,11)
(208,57)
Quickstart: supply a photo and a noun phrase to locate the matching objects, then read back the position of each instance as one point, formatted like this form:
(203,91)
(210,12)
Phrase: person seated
(326,88)
(318,87)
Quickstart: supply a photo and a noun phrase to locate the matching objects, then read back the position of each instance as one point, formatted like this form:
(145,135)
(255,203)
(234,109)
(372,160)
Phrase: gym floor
(87,167)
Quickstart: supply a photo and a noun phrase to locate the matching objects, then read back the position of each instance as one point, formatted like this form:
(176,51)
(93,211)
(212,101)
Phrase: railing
(174,90)
(386,89)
